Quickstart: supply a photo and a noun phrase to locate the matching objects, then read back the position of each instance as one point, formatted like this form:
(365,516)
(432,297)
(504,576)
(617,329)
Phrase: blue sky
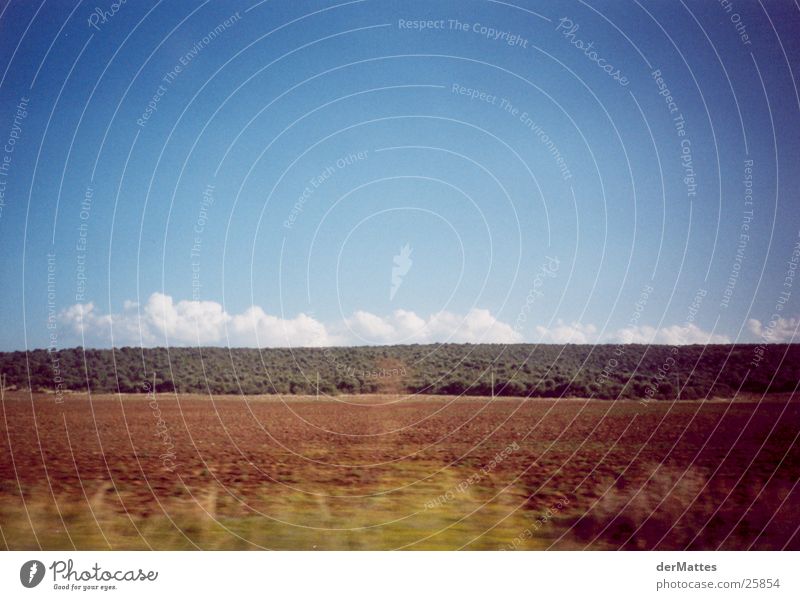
(523,153)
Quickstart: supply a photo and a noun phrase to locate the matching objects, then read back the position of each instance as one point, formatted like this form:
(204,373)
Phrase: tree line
(604,371)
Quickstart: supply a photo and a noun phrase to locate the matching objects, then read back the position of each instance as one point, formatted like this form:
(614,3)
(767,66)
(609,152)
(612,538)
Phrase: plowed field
(385,472)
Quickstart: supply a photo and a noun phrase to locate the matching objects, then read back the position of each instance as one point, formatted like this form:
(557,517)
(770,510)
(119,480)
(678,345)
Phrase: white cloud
(567,333)
(372,328)
(254,327)
(777,330)
(162,321)
(478,325)
(674,335)
(85,321)
(187,321)
(403,326)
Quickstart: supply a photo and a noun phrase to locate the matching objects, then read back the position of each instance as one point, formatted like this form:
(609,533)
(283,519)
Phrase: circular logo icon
(31,573)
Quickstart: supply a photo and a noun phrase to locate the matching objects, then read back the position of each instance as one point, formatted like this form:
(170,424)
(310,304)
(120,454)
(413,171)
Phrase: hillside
(608,371)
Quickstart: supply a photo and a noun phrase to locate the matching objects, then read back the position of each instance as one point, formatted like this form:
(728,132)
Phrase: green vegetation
(629,371)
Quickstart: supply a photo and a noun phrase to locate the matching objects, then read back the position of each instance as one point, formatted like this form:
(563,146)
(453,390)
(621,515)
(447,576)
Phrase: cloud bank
(162,321)
(778,329)
(674,335)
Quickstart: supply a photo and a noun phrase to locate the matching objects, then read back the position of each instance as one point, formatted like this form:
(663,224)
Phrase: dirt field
(385,472)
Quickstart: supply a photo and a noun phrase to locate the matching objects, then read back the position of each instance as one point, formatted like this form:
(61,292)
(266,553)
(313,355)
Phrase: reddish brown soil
(630,475)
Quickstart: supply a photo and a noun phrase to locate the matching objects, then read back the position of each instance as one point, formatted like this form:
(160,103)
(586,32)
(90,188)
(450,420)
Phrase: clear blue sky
(272,94)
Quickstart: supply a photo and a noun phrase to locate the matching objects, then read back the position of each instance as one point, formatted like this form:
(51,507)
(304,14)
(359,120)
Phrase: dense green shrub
(631,371)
